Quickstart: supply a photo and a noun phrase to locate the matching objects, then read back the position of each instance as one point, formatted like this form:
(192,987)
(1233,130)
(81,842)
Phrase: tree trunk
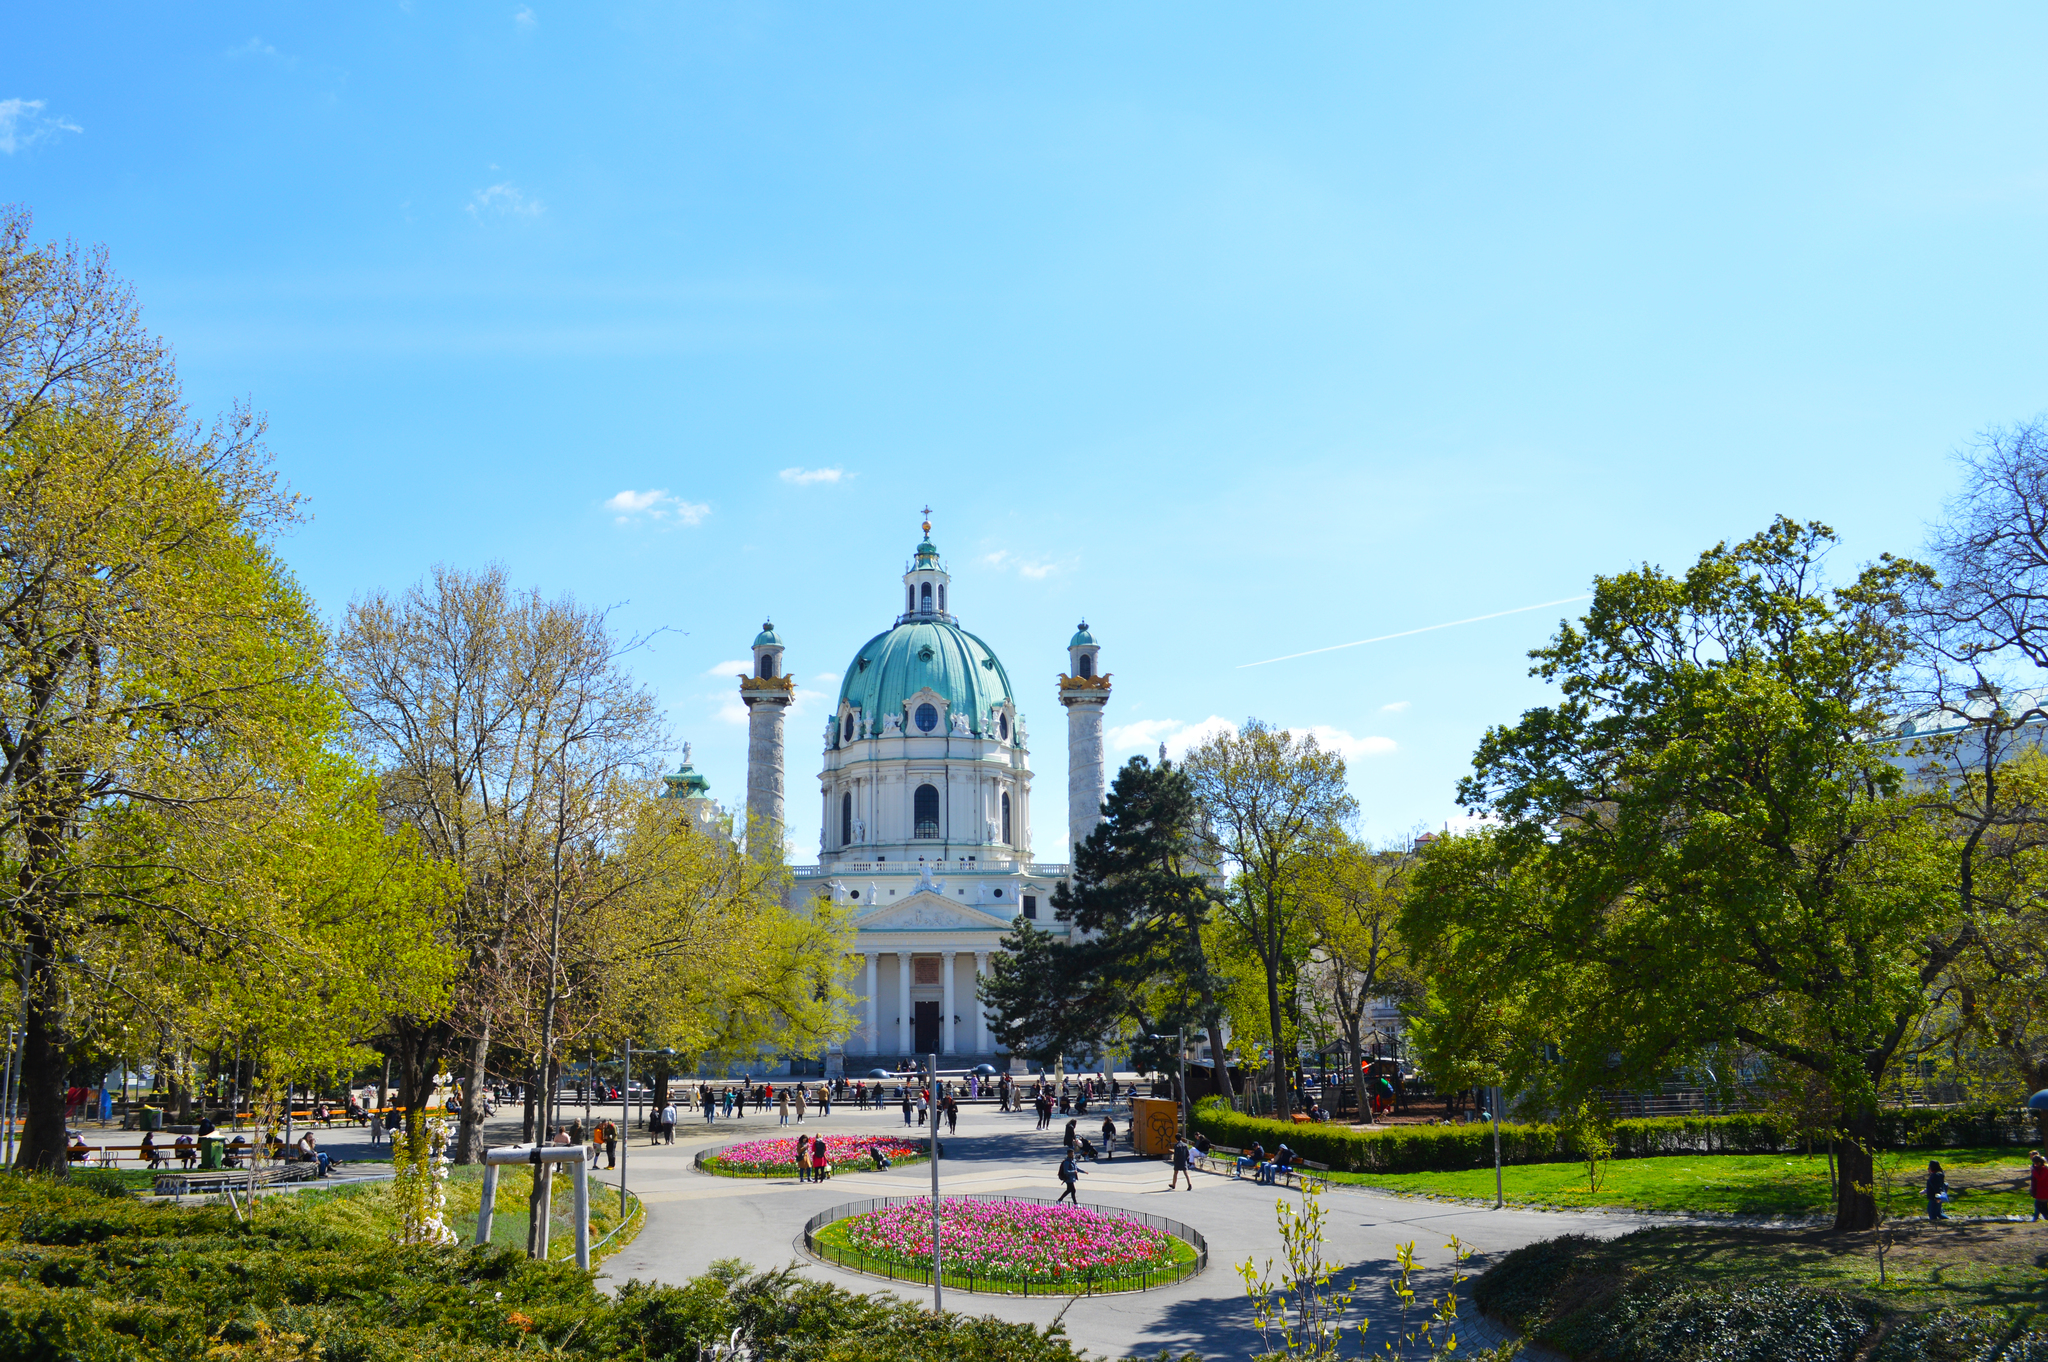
(469,1139)
(1856,1208)
(529,1088)
(42,1080)
(1283,1099)
(1219,1064)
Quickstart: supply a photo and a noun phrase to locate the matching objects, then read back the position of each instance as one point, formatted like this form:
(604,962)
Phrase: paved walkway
(694,1219)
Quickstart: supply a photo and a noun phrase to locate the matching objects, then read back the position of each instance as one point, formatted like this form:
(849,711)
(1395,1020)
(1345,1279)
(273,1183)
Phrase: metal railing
(1089,1283)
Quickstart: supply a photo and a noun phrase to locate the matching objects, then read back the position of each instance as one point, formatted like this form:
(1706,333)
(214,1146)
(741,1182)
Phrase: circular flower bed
(777,1158)
(1010,1245)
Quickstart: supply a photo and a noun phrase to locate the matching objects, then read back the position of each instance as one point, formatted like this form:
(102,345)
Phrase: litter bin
(152,1118)
(210,1152)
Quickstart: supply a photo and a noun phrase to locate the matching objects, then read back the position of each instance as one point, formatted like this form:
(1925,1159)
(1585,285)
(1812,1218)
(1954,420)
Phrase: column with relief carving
(903,1002)
(980,1017)
(946,1045)
(874,1036)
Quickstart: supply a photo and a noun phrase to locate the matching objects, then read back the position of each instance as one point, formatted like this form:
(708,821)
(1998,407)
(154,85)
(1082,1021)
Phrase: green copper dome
(767,638)
(893,666)
(1082,638)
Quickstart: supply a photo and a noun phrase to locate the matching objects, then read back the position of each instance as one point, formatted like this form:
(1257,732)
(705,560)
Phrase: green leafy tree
(1704,842)
(1274,802)
(1139,901)
(158,666)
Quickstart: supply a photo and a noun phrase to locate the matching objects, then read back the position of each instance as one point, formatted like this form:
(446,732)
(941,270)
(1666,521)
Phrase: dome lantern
(925,581)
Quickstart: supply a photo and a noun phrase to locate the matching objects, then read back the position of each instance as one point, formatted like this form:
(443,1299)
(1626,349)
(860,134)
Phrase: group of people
(2037,1187)
(1263,1169)
(812,1162)
(1078,1144)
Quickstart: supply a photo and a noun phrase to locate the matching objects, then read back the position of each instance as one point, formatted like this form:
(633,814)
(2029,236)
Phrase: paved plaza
(693,1219)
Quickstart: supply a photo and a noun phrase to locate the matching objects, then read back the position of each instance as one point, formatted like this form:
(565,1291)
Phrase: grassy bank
(1981,1182)
(1949,1293)
(97,1277)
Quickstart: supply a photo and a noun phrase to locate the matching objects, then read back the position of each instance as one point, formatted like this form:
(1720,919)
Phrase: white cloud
(1348,747)
(1037,569)
(804,477)
(23,122)
(1145,735)
(742,667)
(732,710)
(524,19)
(256,47)
(1393,707)
(655,504)
(503,200)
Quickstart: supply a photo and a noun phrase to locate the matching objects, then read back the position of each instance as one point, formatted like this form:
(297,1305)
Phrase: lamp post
(1181,1051)
(626,1120)
(932,1132)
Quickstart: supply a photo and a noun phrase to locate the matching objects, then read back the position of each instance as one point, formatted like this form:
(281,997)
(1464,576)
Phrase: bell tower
(1084,690)
(767,695)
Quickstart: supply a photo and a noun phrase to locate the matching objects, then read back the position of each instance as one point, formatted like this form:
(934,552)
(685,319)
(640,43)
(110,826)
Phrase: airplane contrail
(1427,628)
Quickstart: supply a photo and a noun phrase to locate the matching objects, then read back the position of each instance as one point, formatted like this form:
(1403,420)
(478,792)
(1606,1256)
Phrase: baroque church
(925,782)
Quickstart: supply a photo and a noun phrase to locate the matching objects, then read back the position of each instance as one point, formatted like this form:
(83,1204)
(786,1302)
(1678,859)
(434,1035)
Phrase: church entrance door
(925,1027)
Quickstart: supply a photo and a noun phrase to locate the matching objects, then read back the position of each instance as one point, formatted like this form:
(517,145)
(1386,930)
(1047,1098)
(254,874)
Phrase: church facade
(926,794)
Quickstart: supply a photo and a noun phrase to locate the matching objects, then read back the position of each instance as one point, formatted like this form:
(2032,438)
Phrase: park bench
(1306,1173)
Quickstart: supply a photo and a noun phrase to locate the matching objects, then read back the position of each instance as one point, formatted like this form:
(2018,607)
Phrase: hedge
(1442,1149)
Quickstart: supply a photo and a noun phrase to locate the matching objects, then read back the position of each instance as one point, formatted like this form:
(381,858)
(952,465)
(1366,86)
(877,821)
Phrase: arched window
(909,599)
(924,811)
(846,819)
(942,598)
(846,729)
(767,667)
(1006,818)
(1087,665)
(925,595)
(927,719)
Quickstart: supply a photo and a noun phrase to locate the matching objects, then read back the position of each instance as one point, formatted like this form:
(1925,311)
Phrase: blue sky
(1239,331)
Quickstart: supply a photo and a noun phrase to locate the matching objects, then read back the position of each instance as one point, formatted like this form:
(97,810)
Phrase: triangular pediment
(929,911)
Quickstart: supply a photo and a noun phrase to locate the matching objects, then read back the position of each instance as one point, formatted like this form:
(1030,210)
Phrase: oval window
(846,729)
(1003,727)
(927,718)
(999,893)
(853,893)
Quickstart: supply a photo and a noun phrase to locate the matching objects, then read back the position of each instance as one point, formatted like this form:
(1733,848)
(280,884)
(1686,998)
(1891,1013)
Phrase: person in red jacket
(2040,1184)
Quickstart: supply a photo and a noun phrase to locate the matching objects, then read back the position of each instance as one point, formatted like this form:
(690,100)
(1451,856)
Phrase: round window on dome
(927,718)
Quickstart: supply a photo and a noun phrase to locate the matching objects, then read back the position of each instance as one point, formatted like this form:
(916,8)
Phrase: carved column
(903,1002)
(946,1044)
(874,1036)
(981,1046)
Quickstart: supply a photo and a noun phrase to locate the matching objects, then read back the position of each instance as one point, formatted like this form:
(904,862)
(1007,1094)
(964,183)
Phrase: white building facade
(926,791)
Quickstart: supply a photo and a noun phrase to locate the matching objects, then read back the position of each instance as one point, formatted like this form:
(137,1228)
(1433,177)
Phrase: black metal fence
(1090,1282)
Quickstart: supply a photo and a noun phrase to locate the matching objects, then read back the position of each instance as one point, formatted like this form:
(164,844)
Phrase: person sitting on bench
(79,1151)
(234,1150)
(310,1152)
(187,1149)
(1252,1158)
(1280,1167)
(152,1157)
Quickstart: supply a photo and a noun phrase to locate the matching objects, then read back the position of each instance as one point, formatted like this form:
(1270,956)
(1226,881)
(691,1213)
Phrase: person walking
(1070,1174)
(709,1101)
(668,1123)
(1108,1137)
(803,1158)
(821,1160)
(608,1136)
(1180,1166)
(800,1104)
(1937,1191)
(1071,1137)
(2038,1177)
(952,1116)
(782,1107)
(906,1106)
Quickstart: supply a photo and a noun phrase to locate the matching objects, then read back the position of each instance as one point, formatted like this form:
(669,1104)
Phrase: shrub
(1444,1149)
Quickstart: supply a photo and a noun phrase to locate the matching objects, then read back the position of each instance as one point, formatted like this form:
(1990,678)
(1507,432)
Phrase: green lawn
(367,1208)
(1981,1182)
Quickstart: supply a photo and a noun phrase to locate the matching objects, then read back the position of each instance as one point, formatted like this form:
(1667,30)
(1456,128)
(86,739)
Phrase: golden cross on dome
(927,521)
